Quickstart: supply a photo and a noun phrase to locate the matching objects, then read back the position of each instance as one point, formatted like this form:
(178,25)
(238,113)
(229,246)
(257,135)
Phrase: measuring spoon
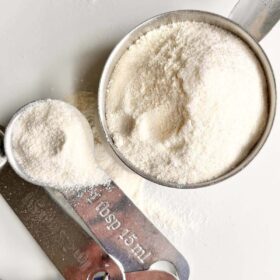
(116,223)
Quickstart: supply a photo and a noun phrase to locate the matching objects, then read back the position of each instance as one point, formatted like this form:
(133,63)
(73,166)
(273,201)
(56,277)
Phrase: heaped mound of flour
(53,144)
(186,102)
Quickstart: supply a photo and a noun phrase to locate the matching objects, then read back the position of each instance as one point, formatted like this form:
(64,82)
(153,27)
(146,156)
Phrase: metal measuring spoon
(257,18)
(125,234)
(71,249)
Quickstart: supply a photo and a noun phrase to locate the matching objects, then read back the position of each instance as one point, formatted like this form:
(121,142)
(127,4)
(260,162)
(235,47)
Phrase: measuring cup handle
(256,16)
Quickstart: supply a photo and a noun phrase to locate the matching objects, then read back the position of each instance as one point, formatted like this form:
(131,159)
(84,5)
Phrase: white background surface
(50,48)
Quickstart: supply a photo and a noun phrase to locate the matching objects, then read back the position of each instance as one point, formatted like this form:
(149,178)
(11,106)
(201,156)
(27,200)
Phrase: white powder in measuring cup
(186,102)
(174,219)
(53,143)
(129,182)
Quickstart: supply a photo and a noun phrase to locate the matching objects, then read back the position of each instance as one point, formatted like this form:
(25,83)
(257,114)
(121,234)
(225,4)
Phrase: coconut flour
(174,218)
(186,102)
(128,181)
(53,143)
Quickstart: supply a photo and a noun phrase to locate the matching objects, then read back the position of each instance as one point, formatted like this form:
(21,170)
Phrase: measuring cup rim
(170,17)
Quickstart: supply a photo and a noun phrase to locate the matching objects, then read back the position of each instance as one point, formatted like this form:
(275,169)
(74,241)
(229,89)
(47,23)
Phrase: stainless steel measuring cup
(250,20)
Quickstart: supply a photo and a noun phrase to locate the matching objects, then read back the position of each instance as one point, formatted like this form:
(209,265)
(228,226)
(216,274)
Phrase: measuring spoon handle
(149,275)
(123,231)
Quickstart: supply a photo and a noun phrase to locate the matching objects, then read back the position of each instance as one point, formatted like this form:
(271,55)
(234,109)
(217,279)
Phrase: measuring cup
(131,242)
(250,20)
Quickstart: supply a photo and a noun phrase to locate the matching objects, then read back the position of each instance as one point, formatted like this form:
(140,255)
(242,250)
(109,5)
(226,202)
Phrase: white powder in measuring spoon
(53,143)
(186,102)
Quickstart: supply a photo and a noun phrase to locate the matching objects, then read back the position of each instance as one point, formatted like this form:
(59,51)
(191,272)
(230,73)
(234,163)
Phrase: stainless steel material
(177,16)
(115,222)
(3,158)
(123,231)
(74,253)
(149,275)
(257,16)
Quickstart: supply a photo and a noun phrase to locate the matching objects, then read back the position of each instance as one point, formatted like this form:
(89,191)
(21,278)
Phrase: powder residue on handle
(186,102)
(53,144)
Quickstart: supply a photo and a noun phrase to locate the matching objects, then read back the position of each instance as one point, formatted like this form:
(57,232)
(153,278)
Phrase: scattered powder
(53,144)
(174,213)
(130,183)
(186,102)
